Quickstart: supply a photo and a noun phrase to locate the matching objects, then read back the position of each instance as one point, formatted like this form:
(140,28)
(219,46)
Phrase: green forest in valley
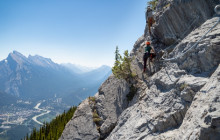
(52,130)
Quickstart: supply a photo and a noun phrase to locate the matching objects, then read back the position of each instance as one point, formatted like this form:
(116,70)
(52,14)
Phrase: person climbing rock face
(149,18)
(148,53)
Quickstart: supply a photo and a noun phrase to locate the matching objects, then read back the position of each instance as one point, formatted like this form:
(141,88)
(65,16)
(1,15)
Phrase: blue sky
(83,32)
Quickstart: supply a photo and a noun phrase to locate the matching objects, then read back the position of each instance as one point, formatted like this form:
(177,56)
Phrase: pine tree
(126,66)
(122,66)
(117,55)
(26,137)
(117,66)
(52,130)
(153,4)
(34,134)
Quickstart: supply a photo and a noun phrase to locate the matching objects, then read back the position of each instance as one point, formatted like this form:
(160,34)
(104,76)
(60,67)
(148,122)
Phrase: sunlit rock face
(180,100)
(175,19)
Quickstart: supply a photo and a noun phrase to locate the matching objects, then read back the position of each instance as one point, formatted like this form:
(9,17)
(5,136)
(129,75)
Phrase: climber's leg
(145,58)
(145,62)
(149,66)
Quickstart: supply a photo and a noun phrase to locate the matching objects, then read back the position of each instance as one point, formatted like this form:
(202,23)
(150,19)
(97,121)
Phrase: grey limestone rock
(180,18)
(205,55)
(110,102)
(202,118)
(81,126)
(165,106)
(181,99)
(160,109)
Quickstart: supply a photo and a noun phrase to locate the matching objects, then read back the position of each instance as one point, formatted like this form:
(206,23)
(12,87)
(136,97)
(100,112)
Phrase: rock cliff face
(110,102)
(82,125)
(179,100)
(177,18)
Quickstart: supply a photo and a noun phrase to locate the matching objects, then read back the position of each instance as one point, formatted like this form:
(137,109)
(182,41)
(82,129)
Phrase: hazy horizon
(78,32)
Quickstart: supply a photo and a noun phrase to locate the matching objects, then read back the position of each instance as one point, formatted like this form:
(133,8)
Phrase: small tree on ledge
(153,4)
(122,66)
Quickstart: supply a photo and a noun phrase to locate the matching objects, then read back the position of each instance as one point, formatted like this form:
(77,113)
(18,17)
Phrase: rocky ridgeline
(180,100)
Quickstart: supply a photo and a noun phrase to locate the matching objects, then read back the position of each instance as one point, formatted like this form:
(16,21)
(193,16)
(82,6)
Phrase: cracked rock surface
(166,111)
(180,100)
(75,129)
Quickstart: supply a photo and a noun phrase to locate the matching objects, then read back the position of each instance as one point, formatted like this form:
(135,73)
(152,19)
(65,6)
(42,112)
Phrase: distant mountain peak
(37,56)
(41,61)
(17,57)
(16,52)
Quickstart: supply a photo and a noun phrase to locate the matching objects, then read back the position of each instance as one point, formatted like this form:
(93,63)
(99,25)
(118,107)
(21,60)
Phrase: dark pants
(145,57)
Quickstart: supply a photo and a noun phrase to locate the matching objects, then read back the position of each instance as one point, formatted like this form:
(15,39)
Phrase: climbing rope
(217,10)
(184,52)
(181,37)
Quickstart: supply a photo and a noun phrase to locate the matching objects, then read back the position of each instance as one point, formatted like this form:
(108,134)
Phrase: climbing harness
(217,10)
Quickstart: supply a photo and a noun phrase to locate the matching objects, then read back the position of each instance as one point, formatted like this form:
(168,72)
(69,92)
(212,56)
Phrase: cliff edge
(178,100)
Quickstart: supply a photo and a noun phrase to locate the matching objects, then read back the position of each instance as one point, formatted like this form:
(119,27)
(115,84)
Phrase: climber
(149,18)
(149,52)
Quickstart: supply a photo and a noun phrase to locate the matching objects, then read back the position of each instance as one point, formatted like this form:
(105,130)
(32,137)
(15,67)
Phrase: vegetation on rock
(122,66)
(132,92)
(183,86)
(152,4)
(92,100)
(96,119)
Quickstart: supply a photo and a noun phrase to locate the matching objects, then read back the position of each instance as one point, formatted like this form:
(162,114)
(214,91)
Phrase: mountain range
(78,68)
(36,78)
